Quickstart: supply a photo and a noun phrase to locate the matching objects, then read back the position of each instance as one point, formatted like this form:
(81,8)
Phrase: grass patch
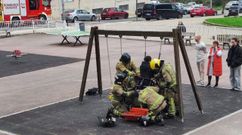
(227,21)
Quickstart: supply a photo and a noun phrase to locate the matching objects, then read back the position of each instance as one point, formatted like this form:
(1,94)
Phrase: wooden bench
(225,39)
(187,36)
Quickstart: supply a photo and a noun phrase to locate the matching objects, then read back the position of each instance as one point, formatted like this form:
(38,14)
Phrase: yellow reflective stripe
(157,103)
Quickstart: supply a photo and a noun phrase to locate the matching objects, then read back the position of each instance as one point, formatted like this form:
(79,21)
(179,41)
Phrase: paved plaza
(33,89)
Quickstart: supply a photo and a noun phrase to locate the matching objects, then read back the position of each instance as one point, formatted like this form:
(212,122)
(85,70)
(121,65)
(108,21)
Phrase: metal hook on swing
(145,37)
(160,47)
(121,44)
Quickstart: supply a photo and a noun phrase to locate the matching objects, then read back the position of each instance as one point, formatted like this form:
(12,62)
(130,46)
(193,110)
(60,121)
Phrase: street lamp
(211,3)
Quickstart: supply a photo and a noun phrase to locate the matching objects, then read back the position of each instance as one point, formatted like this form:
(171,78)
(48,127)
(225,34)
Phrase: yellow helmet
(154,63)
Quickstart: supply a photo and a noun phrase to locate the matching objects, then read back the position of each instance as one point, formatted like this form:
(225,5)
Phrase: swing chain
(109,63)
(160,47)
(145,37)
(121,44)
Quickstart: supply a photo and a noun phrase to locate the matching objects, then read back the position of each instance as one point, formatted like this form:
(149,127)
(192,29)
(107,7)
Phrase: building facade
(95,6)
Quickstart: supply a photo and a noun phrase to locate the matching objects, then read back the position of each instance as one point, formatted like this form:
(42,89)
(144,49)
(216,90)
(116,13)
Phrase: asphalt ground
(72,117)
(30,62)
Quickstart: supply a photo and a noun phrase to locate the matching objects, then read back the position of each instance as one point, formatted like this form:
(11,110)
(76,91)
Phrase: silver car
(78,15)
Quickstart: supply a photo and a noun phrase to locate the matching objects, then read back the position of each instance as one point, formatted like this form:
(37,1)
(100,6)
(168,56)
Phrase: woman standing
(214,63)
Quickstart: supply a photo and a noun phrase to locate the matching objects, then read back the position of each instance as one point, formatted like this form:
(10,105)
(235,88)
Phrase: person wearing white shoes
(200,58)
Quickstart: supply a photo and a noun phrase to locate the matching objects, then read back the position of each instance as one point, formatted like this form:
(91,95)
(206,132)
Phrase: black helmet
(125,58)
(119,78)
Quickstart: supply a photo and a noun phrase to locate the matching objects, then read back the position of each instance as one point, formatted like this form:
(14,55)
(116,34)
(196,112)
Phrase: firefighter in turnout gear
(166,80)
(125,64)
(123,94)
(155,102)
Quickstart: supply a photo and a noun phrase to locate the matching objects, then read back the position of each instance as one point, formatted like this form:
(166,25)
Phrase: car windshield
(105,10)
(234,7)
(149,6)
(46,3)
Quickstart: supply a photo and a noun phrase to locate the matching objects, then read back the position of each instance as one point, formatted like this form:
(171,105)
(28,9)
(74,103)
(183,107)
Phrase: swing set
(177,43)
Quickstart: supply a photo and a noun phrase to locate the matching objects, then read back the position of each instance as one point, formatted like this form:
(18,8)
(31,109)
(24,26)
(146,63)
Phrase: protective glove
(135,93)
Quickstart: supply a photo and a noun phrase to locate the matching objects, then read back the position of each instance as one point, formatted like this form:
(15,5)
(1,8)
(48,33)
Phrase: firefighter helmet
(156,64)
(125,58)
(119,78)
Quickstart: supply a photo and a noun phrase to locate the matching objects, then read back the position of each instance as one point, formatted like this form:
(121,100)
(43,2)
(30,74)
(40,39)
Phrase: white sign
(23,8)
(11,7)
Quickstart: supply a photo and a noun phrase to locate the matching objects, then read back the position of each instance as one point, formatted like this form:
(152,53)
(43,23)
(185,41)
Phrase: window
(84,12)
(33,4)
(148,6)
(68,0)
(79,11)
(97,10)
(124,7)
(46,3)
(164,6)
(140,5)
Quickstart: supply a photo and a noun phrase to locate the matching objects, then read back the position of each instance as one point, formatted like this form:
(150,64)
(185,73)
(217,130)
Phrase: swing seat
(135,114)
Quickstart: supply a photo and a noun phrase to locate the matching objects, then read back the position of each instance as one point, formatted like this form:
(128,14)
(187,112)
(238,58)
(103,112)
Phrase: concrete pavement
(34,89)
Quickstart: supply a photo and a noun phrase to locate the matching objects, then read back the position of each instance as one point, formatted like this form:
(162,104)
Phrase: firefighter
(165,77)
(125,64)
(123,94)
(155,102)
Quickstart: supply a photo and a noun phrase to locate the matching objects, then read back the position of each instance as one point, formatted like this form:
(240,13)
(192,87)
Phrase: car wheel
(75,19)
(103,18)
(147,19)
(179,16)
(93,18)
(126,16)
(191,15)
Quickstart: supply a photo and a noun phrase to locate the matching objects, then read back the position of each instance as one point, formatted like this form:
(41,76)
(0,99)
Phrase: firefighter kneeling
(156,104)
(165,77)
(123,94)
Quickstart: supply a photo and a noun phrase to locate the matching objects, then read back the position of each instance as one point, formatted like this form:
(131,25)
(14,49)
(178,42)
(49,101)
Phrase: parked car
(139,12)
(210,11)
(182,8)
(159,11)
(78,15)
(188,8)
(191,7)
(234,10)
(203,11)
(113,13)
(234,3)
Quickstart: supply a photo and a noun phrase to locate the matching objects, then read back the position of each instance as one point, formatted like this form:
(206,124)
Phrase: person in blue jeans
(234,61)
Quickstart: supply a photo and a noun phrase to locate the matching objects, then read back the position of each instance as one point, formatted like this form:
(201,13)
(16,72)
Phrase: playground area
(47,103)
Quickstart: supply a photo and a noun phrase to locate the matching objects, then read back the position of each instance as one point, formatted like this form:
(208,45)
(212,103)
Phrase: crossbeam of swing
(135,33)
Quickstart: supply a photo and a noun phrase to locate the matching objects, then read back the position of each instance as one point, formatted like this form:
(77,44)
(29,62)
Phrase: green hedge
(226,21)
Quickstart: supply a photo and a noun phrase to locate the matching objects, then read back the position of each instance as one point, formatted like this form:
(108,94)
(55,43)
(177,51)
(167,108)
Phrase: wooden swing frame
(177,42)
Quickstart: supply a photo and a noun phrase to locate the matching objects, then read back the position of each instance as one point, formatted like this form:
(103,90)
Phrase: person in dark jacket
(234,61)
(145,71)
(181,26)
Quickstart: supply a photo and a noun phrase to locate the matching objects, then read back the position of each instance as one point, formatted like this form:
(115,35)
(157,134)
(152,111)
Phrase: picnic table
(65,33)
(76,34)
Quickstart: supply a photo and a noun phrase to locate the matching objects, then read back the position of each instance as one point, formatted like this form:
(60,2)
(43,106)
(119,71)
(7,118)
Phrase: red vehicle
(113,13)
(14,10)
(202,11)
(210,12)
